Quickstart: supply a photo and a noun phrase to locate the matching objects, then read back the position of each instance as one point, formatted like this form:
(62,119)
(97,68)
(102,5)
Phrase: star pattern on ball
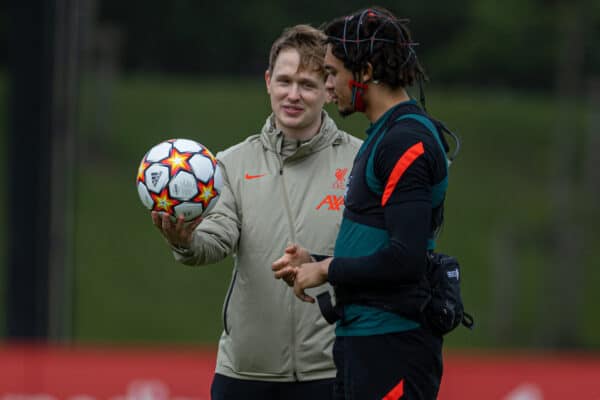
(177,161)
(205,152)
(164,202)
(206,192)
(142,168)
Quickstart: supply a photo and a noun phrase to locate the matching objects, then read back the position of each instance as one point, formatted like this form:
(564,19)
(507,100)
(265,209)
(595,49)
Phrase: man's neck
(302,136)
(381,98)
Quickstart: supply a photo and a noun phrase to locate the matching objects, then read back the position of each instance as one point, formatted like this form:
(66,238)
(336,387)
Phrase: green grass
(128,287)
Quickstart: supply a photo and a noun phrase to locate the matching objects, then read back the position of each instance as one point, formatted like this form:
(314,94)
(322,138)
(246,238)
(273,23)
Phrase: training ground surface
(151,373)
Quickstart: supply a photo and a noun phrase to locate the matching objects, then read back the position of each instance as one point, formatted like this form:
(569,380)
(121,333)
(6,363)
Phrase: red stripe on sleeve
(401,166)
(396,393)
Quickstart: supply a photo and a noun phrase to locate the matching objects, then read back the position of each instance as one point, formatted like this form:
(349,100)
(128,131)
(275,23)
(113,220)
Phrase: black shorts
(404,365)
(226,388)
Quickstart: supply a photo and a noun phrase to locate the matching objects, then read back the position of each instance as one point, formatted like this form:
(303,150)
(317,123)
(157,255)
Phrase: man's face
(337,83)
(297,96)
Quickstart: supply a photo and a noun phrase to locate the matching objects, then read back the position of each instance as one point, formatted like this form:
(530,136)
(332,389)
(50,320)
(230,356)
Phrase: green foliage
(480,42)
(495,46)
(465,41)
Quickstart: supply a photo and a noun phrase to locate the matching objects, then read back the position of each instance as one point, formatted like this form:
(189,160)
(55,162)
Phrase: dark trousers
(226,388)
(405,365)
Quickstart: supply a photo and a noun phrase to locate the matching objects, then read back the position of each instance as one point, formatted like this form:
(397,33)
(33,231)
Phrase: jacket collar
(272,138)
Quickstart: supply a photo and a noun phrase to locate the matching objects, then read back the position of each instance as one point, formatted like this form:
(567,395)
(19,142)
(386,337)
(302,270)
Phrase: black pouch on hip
(445,311)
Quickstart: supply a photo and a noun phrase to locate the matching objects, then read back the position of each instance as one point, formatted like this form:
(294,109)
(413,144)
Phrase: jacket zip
(226,305)
(288,211)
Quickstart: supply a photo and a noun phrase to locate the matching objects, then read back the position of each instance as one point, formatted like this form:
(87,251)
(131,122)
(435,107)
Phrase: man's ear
(268,81)
(367,73)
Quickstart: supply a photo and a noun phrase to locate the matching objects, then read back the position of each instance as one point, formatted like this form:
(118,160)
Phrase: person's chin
(292,119)
(345,111)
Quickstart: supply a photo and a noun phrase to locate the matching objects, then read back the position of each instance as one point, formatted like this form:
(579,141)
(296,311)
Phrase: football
(179,177)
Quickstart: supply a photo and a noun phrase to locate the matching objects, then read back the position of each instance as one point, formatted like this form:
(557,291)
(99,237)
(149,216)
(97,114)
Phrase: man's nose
(329,82)
(294,92)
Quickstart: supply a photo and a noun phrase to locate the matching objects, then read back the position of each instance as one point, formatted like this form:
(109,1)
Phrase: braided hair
(376,36)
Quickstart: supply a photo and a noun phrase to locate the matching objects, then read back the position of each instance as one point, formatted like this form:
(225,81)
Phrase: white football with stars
(179,177)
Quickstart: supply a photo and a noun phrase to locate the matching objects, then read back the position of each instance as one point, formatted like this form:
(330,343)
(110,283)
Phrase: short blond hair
(308,41)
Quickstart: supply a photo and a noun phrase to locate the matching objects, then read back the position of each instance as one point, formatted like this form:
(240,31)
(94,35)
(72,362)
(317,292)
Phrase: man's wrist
(180,248)
(318,257)
(325,267)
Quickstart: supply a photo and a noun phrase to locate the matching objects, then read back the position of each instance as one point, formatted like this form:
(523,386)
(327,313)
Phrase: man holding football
(284,185)
(393,211)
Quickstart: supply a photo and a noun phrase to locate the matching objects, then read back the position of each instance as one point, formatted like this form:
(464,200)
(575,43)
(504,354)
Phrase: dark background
(480,43)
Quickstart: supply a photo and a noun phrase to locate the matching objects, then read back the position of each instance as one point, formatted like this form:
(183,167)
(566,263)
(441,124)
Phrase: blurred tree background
(519,81)
(478,43)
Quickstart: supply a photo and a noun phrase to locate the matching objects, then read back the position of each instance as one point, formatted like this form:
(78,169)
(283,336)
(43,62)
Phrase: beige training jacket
(266,203)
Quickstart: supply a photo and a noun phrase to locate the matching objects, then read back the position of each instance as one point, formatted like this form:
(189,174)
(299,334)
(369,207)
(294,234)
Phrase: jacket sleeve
(217,235)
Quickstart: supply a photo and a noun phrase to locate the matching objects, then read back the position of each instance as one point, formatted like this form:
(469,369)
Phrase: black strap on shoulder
(331,313)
